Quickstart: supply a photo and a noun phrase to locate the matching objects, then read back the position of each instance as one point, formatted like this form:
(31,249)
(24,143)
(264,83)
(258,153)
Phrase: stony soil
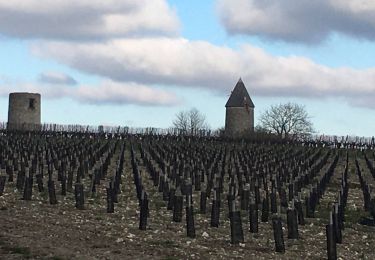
(36,230)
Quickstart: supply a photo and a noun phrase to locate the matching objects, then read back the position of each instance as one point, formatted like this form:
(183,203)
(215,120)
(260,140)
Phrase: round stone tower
(24,111)
(239,118)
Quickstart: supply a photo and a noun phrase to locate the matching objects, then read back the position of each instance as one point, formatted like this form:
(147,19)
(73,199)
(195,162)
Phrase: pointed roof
(239,97)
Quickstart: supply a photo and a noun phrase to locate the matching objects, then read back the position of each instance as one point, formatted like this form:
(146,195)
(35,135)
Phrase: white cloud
(108,92)
(86,19)
(52,77)
(129,93)
(151,60)
(179,62)
(298,20)
(354,6)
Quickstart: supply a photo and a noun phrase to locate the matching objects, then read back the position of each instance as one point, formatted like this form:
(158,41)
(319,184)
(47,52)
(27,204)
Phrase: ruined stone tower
(239,118)
(24,111)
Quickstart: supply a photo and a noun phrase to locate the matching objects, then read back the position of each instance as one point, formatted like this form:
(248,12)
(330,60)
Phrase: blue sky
(159,57)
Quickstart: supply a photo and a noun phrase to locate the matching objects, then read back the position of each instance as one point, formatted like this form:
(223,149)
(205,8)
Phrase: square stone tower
(239,118)
(24,111)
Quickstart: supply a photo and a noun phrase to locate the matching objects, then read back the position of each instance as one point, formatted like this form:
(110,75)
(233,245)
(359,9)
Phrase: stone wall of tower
(238,121)
(24,111)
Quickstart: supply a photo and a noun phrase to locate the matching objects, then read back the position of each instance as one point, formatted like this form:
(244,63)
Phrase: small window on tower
(31,103)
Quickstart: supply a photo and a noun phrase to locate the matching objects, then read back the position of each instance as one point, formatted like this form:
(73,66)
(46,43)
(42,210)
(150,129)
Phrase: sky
(138,63)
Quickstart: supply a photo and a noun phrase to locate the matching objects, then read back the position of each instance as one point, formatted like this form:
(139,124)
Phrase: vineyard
(71,195)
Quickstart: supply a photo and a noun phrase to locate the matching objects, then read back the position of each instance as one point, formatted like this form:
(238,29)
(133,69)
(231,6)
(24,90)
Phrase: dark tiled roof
(239,97)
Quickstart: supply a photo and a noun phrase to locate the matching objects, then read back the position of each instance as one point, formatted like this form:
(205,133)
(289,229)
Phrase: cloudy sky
(137,63)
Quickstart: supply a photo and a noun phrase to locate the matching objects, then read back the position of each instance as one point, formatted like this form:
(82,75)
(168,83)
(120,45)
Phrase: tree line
(284,120)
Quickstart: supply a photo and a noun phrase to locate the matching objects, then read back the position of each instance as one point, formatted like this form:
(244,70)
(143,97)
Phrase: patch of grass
(159,204)
(24,251)
(353,216)
(44,194)
(166,243)
(98,218)
(322,212)
(355,186)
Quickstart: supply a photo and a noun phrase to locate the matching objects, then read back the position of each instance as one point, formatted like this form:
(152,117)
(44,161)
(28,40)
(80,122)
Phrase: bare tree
(287,119)
(182,121)
(190,122)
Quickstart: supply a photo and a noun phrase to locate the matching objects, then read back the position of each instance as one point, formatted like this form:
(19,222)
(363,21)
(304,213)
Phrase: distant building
(24,111)
(239,118)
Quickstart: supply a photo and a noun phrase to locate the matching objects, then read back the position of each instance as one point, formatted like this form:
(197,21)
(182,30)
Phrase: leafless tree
(287,120)
(190,122)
